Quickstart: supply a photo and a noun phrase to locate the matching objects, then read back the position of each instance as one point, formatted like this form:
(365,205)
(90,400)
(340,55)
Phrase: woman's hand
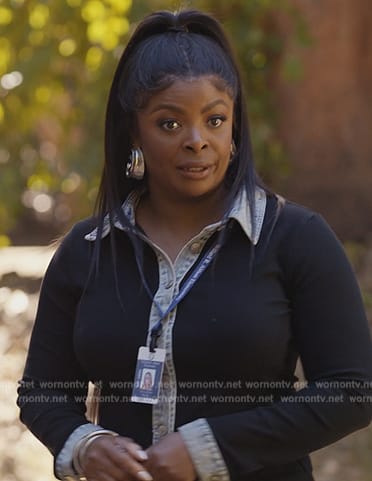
(115,458)
(169,460)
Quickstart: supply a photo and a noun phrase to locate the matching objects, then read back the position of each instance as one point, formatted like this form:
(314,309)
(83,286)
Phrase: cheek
(151,141)
(225,137)
(225,149)
(156,156)
(155,152)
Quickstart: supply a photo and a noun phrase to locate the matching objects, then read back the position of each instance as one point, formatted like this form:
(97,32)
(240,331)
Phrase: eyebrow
(175,108)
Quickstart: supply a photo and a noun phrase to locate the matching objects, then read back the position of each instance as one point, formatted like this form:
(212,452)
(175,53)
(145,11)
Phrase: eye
(217,121)
(170,124)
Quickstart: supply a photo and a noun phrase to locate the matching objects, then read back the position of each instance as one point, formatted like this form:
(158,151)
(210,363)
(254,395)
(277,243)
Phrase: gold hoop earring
(135,168)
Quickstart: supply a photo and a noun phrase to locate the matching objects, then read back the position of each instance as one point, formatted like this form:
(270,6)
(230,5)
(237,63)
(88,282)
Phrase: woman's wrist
(82,446)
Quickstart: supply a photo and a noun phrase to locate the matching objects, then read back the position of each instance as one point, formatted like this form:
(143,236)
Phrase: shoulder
(72,248)
(296,233)
(290,220)
(75,236)
(292,215)
(304,241)
(81,228)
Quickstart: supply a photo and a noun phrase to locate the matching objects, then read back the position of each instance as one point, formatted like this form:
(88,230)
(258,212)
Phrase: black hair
(166,46)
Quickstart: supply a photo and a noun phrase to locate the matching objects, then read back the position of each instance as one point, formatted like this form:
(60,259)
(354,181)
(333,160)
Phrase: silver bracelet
(82,445)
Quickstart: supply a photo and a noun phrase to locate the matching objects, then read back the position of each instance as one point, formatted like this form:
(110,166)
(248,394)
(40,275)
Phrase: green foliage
(55,70)
(56,64)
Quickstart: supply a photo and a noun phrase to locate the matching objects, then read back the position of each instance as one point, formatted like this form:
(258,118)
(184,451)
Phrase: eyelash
(166,123)
(221,118)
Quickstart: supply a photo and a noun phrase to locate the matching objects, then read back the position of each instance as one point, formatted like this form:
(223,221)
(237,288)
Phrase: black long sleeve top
(236,339)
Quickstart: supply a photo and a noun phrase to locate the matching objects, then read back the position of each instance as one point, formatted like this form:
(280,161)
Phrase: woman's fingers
(97,464)
(118,458)
(133,448)
(169,460)
(130,456)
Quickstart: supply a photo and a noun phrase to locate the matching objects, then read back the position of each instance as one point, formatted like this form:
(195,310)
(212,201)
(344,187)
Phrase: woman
(193,269)
(147,381)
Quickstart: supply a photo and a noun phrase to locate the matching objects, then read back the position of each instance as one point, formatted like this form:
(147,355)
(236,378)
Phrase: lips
(195,171)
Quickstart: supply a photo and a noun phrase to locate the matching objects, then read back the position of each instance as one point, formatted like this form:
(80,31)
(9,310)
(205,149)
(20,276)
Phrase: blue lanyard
(190,282)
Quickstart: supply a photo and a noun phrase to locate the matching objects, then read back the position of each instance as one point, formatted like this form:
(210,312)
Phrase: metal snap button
(195,247)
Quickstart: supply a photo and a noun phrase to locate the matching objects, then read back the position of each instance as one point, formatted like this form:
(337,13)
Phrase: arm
(333,340)
(54,387)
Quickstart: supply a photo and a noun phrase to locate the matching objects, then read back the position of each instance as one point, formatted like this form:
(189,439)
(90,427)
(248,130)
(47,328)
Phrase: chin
(203,194)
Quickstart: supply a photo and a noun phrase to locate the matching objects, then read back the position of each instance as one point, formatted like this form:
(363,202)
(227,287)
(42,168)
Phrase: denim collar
(239,211)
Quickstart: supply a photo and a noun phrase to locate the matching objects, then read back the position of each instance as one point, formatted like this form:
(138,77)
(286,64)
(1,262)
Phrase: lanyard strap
(187,286)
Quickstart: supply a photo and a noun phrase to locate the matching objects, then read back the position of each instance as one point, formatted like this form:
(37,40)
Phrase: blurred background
(307,68)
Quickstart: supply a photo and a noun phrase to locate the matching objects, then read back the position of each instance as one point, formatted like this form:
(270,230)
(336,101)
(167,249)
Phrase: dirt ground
(23,458)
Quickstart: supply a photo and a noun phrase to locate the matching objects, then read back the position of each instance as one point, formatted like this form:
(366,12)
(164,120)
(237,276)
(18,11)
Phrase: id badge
(148,375)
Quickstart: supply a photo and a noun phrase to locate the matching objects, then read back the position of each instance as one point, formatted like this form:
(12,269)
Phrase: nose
(195,141)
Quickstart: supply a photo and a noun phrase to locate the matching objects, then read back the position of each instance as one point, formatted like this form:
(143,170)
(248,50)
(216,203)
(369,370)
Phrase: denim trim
(239,211)
(128,208)
(164,412)
(204,451)
(63,462)
(170,278)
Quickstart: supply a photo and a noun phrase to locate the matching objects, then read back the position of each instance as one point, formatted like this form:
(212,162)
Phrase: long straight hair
(164,47)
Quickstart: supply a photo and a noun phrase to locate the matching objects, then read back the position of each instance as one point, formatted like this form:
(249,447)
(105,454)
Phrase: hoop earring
(135,168)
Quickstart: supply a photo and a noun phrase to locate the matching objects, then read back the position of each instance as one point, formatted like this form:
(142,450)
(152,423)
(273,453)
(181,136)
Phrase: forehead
(195,92)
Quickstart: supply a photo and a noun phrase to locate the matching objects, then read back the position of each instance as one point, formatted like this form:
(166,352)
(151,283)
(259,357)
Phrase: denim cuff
(63,464)
(204,451)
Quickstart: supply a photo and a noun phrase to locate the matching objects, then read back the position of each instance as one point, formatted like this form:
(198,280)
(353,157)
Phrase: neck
(171,224)
(188,216)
